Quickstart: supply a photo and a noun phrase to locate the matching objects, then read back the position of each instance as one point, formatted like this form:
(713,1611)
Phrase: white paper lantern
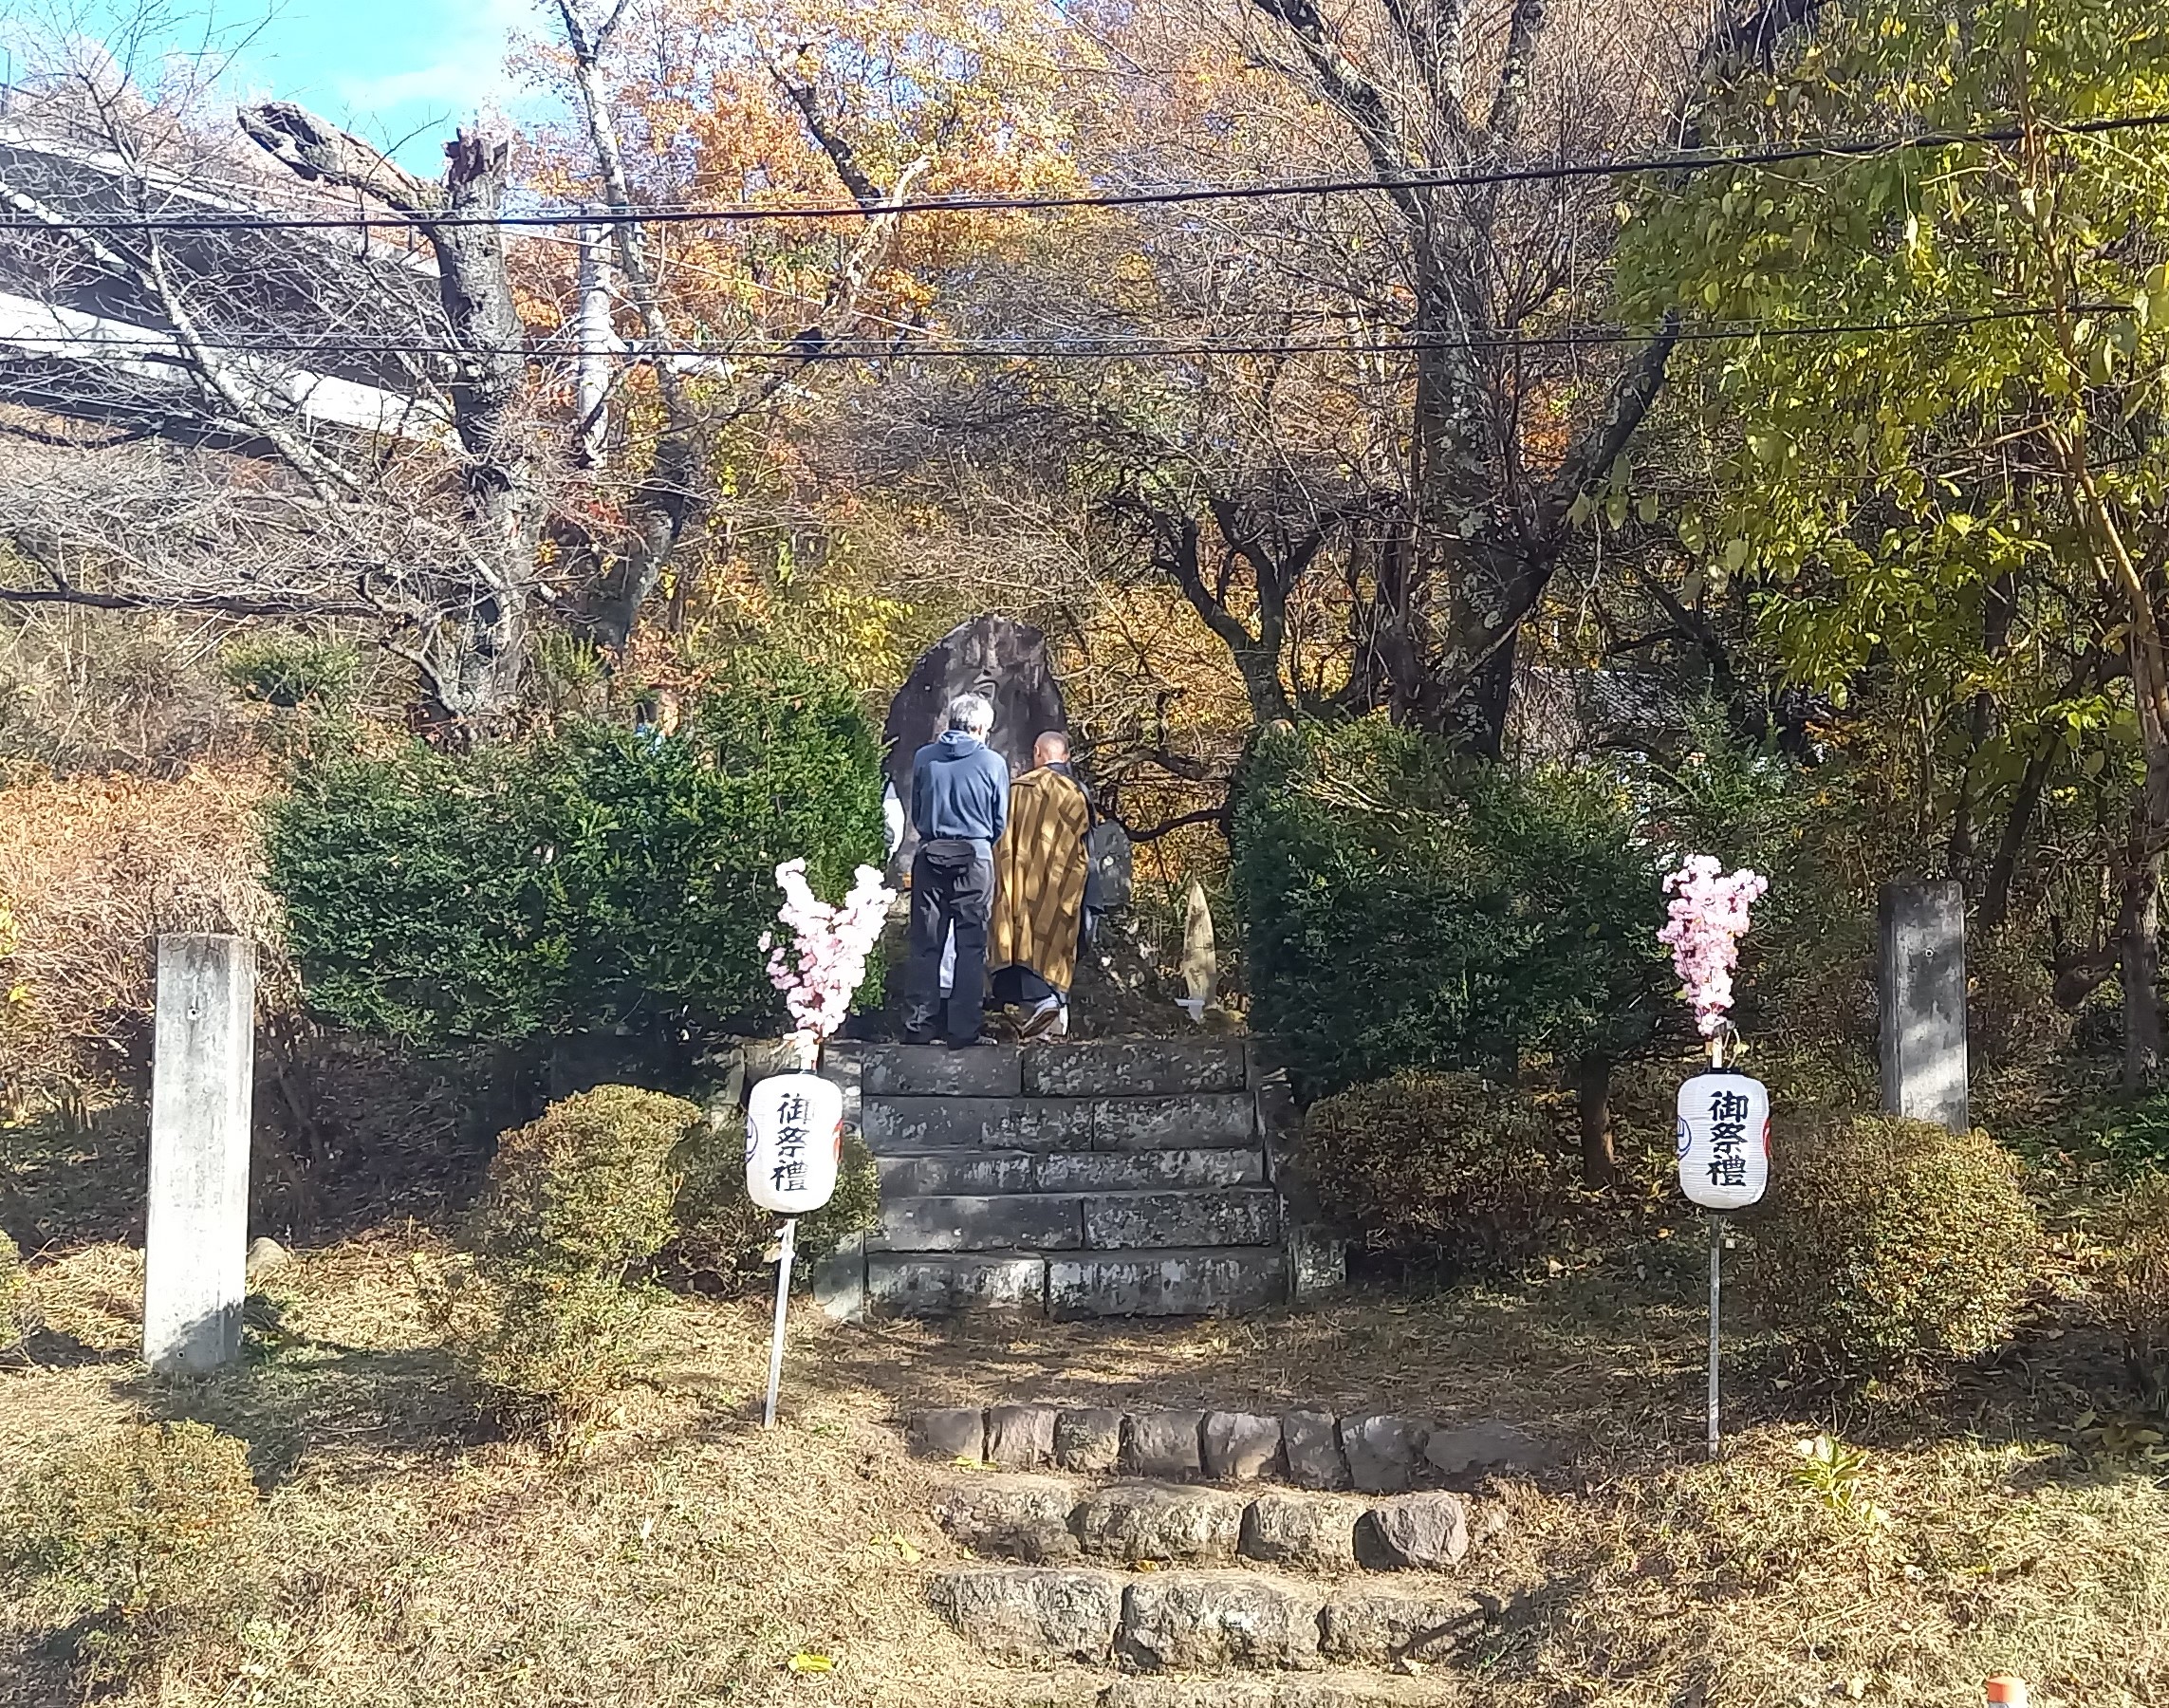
(794,1139)
(1724,1139)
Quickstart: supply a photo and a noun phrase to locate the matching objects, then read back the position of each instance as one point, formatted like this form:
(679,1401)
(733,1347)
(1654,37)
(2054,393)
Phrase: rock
(1464,1455)
(1199,1621)
(1313,1443)
(1382,1451)
(1312,1533)
(1014,1518)
(1240,1446)
(1423,1532)
(1384,1625)
(1164,1444)
(1032,1613)
(1020,1437)
(1088,1438)
(953,1432)
(1149,1521)
(265,1254)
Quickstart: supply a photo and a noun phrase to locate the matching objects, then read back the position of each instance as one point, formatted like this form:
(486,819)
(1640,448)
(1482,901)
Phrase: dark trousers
(951,889)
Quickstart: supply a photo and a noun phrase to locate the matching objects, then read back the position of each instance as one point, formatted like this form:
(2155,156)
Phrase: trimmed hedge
(1435,1165)
(1884,1242)
(544,1311)
(598,879)
(1405,910)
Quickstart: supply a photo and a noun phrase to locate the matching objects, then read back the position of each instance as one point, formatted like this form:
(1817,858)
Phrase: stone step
(984,1173)
(1199,1621)
(948,1283)
(1134,1068)
(1333,1687)
(1109,1221)
(896,1125)
(1212,1281)
(1042,1519)
(1200,1281)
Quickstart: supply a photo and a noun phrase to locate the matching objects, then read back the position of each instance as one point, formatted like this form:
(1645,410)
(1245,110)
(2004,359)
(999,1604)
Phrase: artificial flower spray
(794,1122)
(1723,1137)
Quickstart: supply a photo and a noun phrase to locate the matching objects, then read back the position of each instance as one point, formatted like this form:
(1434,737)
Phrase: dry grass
(689,1557)
(92,870)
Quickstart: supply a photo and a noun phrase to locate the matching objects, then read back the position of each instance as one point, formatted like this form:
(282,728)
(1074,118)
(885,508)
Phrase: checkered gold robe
(1039,878)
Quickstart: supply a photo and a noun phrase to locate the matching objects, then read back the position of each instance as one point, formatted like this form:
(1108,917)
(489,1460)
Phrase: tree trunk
(1593,1094)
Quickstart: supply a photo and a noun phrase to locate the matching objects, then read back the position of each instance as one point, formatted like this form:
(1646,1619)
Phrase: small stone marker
(1240,1446)
(1313,1442)
(202,1085)
(1924,1003)
(1164,1444)
(1020,1437)
(1382,1451)
(1088,1438)
(950,1432)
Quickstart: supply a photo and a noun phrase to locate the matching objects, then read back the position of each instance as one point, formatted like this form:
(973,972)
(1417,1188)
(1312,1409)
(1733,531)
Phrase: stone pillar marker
(1922,968)
(202,1089)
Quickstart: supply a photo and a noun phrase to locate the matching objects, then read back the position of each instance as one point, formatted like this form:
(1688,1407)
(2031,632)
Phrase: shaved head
(1051,748)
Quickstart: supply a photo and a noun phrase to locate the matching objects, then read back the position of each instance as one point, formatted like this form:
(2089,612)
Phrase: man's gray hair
(971,712)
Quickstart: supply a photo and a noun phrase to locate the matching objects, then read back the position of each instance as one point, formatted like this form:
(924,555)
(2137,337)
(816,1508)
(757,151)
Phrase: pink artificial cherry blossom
(832,943)
(1709,916)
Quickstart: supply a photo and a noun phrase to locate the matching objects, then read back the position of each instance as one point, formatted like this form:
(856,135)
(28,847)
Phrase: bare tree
(270,421)
(1505,434)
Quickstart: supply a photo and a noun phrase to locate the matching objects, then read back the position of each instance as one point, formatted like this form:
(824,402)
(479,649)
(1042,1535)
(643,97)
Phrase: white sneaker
(1042,1019)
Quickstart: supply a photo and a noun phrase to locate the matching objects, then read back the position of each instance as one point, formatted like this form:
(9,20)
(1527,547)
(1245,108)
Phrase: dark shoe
(983,1040)
(920,1039)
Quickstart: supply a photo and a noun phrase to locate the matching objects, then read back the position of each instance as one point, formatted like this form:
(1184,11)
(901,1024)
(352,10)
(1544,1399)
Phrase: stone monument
(1924,1003)
(997,656)
(195,1244)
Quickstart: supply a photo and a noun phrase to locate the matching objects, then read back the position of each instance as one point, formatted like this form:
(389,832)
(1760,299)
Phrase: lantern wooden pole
(785,1251)
(1716,1271)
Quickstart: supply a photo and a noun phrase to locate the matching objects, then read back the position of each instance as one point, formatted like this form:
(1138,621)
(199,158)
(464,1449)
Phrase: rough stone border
(1197,1622)
(1375,1453)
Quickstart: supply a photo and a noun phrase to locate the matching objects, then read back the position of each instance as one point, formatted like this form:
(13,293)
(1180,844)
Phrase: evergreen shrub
(1884,1241)
(1434,1165)
(598,878)
(1402,909)
(2134,1285)
(544,1307)
(722,1234)
(138,1533)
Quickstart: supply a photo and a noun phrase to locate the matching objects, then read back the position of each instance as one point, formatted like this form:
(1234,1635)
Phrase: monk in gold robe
(1039,888)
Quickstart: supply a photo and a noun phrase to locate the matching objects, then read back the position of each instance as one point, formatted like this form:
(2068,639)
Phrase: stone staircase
(1124,1178)
(1155,1545)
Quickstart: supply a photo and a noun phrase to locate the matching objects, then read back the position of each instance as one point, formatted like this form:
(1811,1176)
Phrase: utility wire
(1697,160)
(158,344)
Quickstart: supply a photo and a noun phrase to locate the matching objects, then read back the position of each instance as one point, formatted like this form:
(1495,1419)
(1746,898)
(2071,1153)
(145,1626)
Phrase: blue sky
(395,71)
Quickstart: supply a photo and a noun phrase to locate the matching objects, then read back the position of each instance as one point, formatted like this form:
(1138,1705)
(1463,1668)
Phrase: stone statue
(998,657)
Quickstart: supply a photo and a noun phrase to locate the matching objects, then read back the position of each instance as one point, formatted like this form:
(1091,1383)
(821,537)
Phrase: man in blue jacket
(959,802)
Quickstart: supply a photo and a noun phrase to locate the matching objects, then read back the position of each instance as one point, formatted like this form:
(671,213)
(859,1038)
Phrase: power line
(1695,160)
(163,345)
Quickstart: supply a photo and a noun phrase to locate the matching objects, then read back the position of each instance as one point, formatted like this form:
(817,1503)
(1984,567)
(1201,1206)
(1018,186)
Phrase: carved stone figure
(997,656)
